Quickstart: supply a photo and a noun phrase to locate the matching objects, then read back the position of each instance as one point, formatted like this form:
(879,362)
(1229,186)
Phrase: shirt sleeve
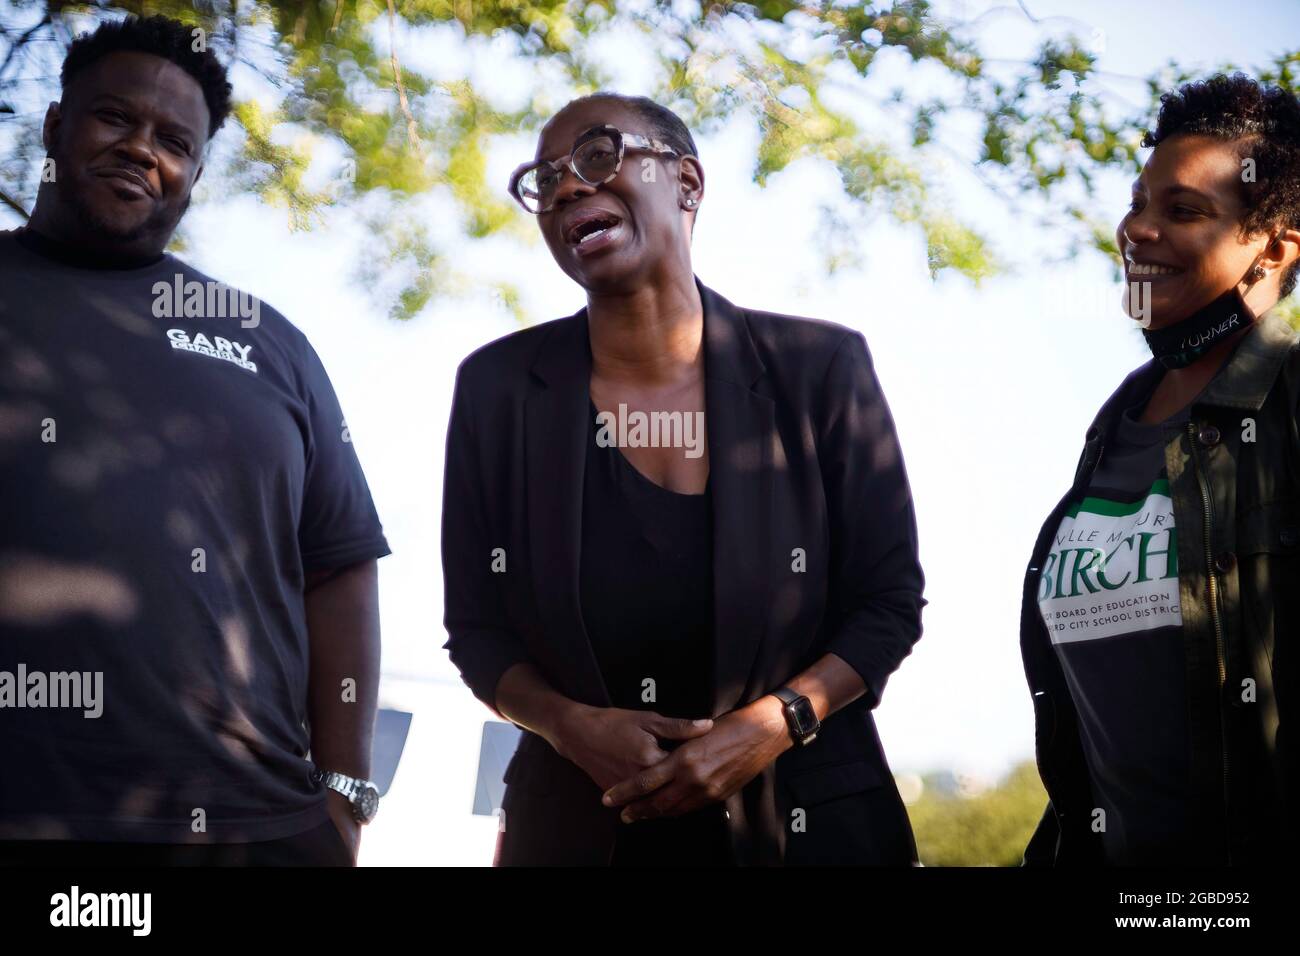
(339,525)
(876,573)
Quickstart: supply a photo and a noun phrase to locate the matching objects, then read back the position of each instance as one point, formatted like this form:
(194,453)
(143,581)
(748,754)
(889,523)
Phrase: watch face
(805,718)
(367,804)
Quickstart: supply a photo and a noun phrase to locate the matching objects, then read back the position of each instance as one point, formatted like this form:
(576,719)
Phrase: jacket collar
(1243,382)
(740,425)
(729,351)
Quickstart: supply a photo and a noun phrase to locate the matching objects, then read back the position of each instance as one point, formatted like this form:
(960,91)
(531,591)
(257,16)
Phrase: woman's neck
(652,336)
(1179,386)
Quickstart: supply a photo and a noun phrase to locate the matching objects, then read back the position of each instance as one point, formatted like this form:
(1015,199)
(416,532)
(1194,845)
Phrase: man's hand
(611,744)
(707,769)
(344,822)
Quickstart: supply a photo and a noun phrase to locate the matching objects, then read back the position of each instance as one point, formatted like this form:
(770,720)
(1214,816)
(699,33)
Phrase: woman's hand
(611,744)
(707,769)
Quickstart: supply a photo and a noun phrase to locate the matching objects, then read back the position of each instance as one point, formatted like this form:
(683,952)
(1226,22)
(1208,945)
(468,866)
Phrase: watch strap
(786,695)
(354,790)
(342,783)
(801,735)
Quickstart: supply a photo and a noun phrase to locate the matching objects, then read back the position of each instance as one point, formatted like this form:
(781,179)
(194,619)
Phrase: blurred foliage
(990,828)
(1046,126)
(1289,309)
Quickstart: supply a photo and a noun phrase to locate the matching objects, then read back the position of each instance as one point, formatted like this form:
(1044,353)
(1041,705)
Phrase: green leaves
(274,172)
(1055,59)
(1043,128)
(958,824)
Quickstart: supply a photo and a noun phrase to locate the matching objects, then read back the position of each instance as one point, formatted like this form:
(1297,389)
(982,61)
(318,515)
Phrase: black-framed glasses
(596,158)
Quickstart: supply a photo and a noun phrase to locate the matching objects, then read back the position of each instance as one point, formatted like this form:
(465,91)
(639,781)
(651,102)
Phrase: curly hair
(162,37)
(1265,121)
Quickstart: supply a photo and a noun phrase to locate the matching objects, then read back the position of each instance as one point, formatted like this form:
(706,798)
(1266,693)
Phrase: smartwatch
(362,794)
(800,717)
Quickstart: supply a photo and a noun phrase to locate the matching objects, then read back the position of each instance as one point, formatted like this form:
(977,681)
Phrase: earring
(690,202)
(1258,273)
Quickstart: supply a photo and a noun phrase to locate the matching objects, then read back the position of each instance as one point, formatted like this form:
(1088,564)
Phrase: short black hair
(163,37)
(1267,120)
(665,125)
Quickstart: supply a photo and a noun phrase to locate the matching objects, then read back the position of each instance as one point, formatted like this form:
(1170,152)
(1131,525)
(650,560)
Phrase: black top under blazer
(815,550)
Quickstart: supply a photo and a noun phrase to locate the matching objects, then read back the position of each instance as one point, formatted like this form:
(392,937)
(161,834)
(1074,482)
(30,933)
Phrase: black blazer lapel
(557,426)
(741,426)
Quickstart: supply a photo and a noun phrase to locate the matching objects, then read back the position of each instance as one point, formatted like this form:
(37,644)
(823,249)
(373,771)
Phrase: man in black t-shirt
(189,635)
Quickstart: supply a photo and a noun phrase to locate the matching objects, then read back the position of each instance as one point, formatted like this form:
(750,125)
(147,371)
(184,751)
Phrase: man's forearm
(343,632)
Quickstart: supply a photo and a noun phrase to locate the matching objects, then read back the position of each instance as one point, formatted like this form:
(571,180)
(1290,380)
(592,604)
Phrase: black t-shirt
(1109,596)
(167,477)
(646,586)
(646,589)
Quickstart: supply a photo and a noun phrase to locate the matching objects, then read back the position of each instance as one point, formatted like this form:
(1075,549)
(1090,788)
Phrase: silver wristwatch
(362,794)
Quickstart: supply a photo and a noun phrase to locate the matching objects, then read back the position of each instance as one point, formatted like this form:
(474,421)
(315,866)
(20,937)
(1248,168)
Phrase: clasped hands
(620,750)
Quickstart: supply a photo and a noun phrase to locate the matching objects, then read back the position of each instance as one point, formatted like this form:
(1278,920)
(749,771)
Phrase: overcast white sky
(991,390)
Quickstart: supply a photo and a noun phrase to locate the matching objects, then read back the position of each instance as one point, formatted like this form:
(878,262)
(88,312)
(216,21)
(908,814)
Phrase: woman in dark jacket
(679,546)
(1165,586)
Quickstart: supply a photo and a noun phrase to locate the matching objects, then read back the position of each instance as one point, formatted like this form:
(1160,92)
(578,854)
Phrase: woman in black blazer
(669,617)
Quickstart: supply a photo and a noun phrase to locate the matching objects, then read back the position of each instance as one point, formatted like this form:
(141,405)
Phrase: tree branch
(14,204)
(411,128)
(21,42)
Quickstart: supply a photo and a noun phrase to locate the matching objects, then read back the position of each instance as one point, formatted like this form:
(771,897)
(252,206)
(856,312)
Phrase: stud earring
(690,202)
(1258,273)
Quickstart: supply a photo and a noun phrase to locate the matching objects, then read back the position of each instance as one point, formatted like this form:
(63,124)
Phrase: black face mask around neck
(1184,342)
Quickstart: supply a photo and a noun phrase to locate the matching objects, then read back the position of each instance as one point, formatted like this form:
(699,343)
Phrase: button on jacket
(1234,478)
(815,551)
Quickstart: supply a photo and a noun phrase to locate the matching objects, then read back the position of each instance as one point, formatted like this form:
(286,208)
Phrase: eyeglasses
(596,158)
